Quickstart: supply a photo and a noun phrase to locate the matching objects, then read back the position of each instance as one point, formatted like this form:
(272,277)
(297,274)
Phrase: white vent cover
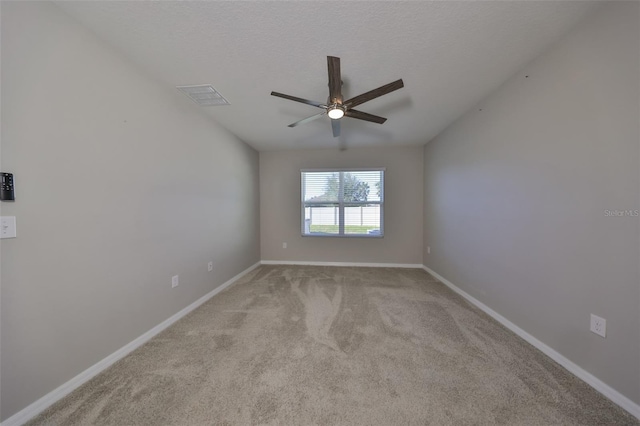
(204,95)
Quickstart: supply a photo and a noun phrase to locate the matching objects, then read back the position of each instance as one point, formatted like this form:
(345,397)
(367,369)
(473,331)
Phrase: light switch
(8,227)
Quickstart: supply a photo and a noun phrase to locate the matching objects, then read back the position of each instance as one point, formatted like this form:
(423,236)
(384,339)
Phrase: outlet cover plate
(598,325)
(8,227)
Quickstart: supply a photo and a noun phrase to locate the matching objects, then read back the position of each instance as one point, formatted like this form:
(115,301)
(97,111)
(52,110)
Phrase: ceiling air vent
(204,95)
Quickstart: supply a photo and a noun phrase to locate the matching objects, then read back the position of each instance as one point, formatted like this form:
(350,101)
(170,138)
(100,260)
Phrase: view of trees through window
(342,202)
(354,188)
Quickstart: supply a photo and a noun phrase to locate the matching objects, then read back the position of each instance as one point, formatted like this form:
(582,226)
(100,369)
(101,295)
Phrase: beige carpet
(297,345)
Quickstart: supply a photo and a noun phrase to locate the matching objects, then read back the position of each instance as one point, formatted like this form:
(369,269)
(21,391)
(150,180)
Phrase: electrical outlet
(210,266)
(174,281)
(428,250)
(599,325)
(284,245)
(8,227)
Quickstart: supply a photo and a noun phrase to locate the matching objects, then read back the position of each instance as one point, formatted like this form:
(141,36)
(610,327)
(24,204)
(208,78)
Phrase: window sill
(321,235)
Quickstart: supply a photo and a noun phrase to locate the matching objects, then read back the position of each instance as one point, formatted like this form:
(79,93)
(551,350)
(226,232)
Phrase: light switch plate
(8,227)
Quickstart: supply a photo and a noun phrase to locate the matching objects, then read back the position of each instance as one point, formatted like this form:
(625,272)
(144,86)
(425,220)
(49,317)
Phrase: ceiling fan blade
(372,94)
(335,81)
(335,126)
(364,116)
(304,101)
(308,119)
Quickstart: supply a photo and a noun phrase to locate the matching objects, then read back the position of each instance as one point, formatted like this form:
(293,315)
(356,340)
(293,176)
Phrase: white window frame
(341,204)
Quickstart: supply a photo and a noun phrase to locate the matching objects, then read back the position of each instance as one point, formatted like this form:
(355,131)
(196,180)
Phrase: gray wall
(516,193)
(280,206)
(121,183)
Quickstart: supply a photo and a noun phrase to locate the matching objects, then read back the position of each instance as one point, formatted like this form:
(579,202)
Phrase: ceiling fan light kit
(336,112)
(335,107)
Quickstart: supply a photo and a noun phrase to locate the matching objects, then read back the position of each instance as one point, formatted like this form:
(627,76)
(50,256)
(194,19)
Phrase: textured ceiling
(449,54)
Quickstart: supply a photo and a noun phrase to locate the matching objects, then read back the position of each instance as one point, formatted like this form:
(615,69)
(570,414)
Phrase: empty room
(319,213)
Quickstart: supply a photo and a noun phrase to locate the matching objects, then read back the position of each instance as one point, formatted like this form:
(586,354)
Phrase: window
(344,203)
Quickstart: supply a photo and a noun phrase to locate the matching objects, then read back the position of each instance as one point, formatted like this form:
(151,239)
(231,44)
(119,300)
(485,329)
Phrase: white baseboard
(574,368)
(60,392)
(358,264)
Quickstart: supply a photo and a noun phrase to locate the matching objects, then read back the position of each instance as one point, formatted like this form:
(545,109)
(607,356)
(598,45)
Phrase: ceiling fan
(335,107)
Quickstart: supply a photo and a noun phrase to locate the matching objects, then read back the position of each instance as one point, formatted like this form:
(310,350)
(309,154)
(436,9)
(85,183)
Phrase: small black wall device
(7,192)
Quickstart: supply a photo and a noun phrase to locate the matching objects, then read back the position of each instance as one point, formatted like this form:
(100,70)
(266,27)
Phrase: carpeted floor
(302,345)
